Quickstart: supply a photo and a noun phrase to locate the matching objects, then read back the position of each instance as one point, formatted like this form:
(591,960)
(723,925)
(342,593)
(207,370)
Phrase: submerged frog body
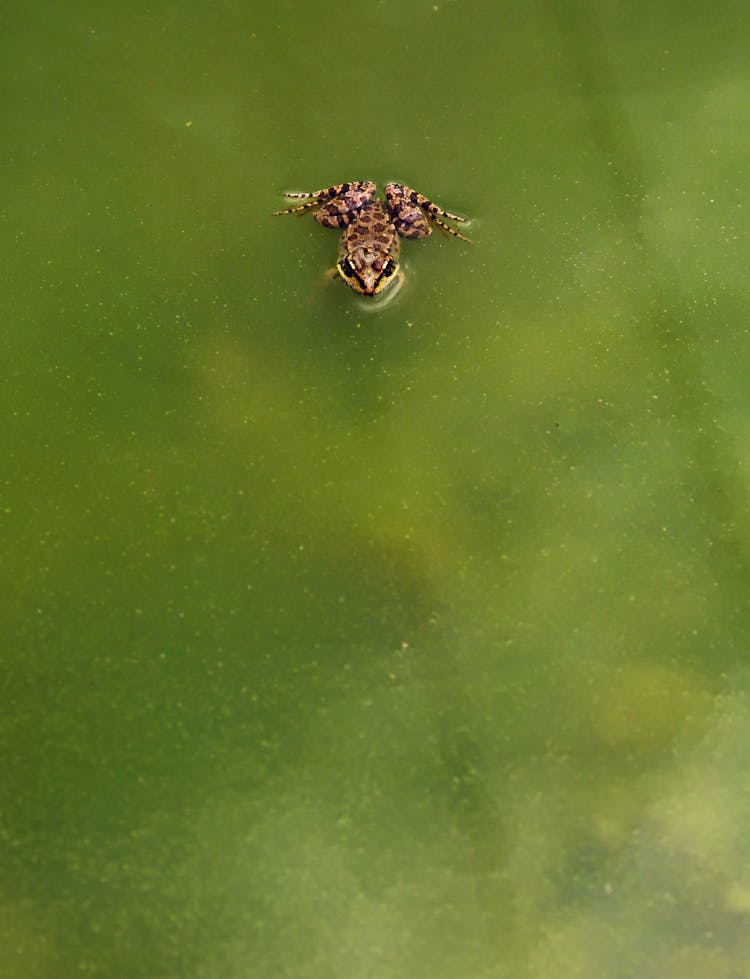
(370,242)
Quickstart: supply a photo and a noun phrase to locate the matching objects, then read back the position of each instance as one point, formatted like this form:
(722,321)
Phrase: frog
(371,229)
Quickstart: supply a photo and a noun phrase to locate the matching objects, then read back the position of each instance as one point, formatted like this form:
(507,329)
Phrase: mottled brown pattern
(369,246)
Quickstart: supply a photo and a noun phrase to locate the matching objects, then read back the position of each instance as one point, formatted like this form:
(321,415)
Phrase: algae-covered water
(405,641)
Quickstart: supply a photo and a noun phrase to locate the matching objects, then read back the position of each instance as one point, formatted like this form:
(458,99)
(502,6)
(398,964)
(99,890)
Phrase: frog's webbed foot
(412,213)
(337,204)
(296,210)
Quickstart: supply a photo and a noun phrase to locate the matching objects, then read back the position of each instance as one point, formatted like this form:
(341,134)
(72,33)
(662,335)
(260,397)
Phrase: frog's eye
(389,268)
(347,268)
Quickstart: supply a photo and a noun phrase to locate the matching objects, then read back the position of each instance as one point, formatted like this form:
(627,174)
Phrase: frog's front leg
(412,213)
(337,204)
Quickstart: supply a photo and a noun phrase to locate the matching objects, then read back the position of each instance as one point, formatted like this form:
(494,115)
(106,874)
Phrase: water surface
(406,643)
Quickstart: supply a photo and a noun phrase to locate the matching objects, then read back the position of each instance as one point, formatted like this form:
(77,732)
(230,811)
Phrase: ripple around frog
(376,304)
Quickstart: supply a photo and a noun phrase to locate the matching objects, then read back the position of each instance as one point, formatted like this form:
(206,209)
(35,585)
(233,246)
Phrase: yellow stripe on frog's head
(367,279)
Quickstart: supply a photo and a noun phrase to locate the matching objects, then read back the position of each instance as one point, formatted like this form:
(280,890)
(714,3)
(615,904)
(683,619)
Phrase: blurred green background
(350,641)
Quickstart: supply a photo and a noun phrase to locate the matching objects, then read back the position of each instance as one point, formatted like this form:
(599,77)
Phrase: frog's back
(373,226)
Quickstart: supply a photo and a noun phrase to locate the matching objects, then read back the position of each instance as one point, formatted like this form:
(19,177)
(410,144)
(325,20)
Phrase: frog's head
(368,271)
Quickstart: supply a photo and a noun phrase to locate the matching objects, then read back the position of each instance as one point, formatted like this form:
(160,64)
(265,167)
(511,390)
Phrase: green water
(405,643)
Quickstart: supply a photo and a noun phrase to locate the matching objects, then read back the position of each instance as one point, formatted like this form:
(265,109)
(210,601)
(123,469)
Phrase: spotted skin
(369,246)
